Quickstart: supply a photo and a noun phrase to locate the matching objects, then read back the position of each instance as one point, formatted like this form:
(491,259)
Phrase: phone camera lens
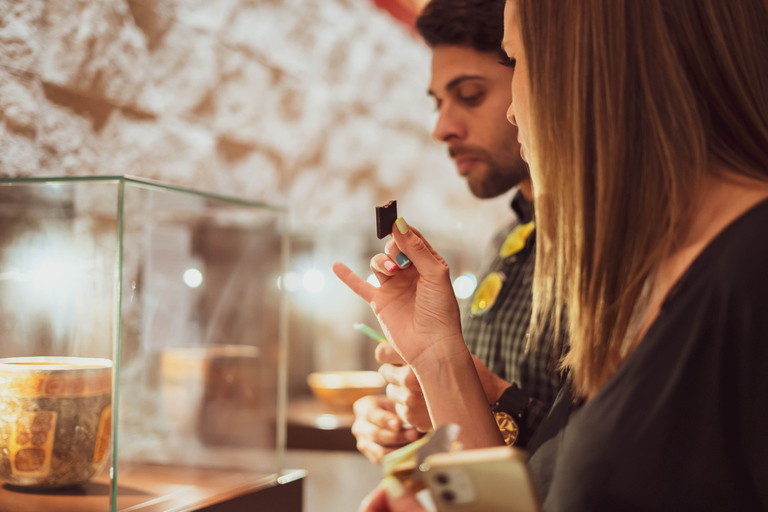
(442,478)
(448,496)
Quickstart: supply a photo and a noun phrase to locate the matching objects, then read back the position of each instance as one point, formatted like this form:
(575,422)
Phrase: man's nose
(448,126)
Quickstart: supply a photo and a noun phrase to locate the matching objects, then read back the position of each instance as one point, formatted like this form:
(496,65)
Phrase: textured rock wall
(318,105)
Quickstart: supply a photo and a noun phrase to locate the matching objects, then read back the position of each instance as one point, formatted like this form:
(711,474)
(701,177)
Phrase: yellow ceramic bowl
(345,387)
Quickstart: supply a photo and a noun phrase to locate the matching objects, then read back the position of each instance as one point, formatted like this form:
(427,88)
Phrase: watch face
(508,427)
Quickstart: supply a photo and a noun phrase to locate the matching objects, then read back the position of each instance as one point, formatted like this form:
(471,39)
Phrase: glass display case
(143,355)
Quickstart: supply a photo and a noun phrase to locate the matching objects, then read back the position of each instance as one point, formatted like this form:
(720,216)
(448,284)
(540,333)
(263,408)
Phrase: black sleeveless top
(683,424)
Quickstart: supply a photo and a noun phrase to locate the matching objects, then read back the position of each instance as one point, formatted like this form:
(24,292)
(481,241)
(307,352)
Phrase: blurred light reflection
(313,280)
(464,285)
(193,278)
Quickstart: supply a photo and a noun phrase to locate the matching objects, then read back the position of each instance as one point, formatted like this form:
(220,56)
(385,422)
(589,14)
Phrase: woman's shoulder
(736,261)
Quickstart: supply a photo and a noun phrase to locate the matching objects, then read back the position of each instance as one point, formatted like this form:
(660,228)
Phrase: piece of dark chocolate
(385,216)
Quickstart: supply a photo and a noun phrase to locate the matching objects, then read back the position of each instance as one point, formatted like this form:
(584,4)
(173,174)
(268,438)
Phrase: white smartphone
(488,479)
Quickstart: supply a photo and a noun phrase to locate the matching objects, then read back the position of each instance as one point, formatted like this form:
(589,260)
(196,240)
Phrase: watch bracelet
(514,402)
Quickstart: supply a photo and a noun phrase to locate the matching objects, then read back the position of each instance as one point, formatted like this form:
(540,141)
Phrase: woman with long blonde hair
(645,124)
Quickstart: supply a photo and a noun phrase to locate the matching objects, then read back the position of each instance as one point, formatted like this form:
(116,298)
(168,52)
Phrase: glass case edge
(117,345)
(143,182)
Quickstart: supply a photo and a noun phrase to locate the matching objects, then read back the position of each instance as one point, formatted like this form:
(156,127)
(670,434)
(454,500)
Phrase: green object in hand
(370,332)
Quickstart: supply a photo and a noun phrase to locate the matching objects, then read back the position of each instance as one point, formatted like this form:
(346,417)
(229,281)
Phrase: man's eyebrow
(456,81)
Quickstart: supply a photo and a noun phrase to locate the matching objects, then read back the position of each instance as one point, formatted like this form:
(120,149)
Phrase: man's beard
(498,178)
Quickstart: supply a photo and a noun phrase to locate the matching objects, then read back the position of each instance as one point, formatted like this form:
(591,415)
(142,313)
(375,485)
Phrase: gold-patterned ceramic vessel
(55,419)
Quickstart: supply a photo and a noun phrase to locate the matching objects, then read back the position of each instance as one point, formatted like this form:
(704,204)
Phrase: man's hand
(403,388)
(378,429)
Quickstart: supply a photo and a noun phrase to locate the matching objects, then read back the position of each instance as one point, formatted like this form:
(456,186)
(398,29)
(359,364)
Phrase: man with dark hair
(472,91)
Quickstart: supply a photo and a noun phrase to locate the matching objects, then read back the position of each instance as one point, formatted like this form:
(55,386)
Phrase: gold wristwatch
(510,411)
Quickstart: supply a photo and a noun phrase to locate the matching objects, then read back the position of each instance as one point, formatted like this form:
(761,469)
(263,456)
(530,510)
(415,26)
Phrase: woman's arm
(418,312)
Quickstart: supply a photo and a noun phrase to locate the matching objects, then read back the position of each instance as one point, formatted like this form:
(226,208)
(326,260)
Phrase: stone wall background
(318,105)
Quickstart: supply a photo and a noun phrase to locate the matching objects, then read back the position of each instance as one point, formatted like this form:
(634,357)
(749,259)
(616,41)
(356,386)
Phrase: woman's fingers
(355,283)
(426,242)
(383,267)
(396,256)
(392,249)
(418,251)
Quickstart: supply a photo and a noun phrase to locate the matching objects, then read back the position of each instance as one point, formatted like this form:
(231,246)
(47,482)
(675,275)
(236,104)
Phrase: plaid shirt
(498,337)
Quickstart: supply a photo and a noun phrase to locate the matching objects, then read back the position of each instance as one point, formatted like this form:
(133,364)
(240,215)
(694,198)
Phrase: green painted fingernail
(402,226)
(402,260)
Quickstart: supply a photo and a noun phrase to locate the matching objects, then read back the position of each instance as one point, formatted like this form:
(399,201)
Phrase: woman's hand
(417,309)
(415,304)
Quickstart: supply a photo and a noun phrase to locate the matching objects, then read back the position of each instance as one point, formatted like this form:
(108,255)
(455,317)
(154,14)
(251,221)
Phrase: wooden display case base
(154,488)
